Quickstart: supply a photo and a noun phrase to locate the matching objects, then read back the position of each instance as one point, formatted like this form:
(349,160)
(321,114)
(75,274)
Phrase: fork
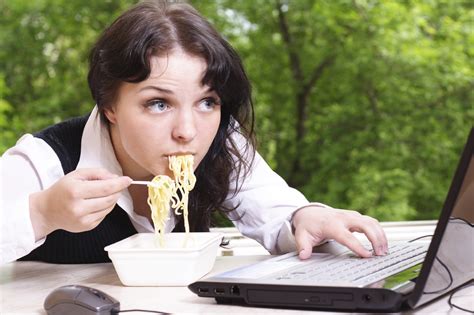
(143,182)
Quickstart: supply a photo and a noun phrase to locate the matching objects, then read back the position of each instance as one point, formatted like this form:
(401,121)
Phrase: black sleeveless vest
(86,247)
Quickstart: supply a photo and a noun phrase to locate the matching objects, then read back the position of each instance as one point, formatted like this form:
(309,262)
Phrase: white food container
(138,261)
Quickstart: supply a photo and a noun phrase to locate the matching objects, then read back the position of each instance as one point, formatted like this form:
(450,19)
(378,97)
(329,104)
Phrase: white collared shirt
(265,201)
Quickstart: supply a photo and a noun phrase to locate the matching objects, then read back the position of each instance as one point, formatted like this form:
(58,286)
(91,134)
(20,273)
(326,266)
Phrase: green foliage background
(360,104)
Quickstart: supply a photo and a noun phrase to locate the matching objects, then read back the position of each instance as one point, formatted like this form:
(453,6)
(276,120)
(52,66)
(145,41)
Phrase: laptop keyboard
(360,271)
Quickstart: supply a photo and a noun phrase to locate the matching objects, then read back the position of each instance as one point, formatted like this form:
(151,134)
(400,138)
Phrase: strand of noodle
(159,197)
(166,193)
(183,171)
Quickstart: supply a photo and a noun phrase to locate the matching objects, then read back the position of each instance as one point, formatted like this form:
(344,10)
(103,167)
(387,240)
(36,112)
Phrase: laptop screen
(452,264)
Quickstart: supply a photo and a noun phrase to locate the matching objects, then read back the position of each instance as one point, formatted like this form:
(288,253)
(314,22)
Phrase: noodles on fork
(166,193)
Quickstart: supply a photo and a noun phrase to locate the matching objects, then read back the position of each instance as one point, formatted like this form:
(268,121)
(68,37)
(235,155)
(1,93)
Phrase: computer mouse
(80,300)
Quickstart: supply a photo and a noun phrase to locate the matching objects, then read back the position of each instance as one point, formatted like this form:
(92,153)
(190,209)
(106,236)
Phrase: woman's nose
(185,126)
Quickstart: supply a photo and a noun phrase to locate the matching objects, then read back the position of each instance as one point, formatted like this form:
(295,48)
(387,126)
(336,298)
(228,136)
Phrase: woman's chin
(163,173)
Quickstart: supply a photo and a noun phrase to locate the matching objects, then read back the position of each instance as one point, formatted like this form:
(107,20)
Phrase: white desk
(25,285)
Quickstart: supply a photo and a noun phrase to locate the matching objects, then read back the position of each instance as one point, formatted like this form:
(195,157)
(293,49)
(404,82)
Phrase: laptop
(412,274)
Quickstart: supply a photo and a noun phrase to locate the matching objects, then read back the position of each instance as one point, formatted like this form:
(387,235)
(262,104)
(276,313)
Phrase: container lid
(173,242)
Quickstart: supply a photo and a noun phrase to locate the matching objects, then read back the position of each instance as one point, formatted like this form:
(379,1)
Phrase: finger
(92,220)
(370,227)
(374,232)
(350,241)
(93,173)
(103,187)
(101,203)
(304,244)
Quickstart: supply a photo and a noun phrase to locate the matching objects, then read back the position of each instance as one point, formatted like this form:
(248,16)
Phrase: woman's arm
(265,206)
(26,168)
(37,198)
(268,210)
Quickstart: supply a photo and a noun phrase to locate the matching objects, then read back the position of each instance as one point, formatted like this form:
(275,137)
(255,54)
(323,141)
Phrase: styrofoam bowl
(139,261)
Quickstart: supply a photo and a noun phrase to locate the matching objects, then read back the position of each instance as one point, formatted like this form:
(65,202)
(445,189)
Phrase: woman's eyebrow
(166,91)
(157,88)
(209,90)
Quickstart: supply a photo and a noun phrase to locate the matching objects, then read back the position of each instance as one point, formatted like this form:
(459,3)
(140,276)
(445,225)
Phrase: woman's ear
(110,114)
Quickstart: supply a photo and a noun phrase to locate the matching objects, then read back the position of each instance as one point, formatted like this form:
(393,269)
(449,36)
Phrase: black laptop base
(302,297)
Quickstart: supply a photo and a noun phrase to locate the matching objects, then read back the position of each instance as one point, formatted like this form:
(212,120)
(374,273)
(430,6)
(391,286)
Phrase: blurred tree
(361,104)
(44,46)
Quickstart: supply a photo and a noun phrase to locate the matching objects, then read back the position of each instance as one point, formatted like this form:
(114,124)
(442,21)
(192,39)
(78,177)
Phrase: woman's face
(170,113)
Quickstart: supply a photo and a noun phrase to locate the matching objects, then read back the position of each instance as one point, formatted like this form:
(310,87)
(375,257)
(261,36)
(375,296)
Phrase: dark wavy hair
(154,28)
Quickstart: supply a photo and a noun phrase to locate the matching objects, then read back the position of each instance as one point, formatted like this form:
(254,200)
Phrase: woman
(165,83)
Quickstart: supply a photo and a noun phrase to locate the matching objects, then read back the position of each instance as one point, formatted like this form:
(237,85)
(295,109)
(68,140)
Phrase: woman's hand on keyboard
(314,224)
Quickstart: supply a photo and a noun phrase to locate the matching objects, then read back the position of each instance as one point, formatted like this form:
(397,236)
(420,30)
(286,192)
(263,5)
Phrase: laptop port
(203,290)
(234,290)
(219,291)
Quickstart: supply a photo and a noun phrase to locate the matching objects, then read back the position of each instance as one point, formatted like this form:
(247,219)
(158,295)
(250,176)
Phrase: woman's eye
(157,106)
(208,104)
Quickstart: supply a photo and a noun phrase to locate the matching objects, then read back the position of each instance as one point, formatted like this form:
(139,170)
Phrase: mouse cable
(140,310)
(442,264)
(453,220)
(419,238)
(460,220)
(451,280)
(451,304)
